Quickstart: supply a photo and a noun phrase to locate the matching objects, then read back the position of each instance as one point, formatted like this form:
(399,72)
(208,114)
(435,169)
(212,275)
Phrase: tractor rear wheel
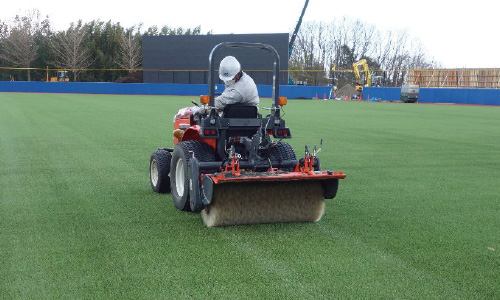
(179,175)
(159,169)
(282,151)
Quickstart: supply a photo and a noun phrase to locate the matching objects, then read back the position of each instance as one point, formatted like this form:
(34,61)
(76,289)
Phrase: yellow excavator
(368,79)
(359,81)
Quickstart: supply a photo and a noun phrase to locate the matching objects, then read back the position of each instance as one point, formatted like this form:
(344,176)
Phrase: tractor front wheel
(159,169)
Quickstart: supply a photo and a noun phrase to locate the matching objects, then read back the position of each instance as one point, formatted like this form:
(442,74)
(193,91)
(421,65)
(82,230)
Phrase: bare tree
(129,55)
(4,30)
(394,56)
(345,41)
(419,59)
(360,39)
(352,34)
(310,54)
(69,49)
(320,46)
(19,45)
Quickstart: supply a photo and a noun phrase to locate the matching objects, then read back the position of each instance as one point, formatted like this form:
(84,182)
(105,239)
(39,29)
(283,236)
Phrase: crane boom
(296,31)
(294,36)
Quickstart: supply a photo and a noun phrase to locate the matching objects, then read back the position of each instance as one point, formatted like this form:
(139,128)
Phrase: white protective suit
(244,91)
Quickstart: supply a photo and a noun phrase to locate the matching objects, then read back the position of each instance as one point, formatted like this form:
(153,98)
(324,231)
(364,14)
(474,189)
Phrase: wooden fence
(455,78)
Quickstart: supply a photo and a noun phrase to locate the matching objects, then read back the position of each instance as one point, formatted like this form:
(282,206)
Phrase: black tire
(282,151)
(179,179)
(159,169)
(330,188)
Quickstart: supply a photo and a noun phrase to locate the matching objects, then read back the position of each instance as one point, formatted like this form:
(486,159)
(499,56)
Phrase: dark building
(184,58)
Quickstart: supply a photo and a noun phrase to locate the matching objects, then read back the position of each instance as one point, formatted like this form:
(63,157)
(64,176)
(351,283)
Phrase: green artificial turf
(418,216)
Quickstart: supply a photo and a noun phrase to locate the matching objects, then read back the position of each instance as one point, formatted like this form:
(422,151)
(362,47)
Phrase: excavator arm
(366,70)
(368,77)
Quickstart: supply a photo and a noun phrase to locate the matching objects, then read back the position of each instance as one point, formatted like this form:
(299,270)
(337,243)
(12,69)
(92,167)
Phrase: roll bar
(269,48)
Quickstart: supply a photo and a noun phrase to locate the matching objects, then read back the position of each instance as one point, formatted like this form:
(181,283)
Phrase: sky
(455,34)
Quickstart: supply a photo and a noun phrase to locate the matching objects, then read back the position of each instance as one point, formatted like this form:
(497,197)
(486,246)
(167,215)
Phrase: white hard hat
(228,68)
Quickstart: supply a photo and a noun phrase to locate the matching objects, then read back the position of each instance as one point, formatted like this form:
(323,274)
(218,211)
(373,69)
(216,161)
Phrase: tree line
(29,42)
(85,49)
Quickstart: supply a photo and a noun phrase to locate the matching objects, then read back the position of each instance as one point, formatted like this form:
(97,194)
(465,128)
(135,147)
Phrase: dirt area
(347,90)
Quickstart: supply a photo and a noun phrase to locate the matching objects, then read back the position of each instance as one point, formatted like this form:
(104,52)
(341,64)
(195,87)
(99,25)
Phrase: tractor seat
(240,111)
(236,111)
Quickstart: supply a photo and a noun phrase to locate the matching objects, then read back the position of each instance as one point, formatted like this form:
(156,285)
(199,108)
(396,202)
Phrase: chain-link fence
(80,75)
(432,78)
(297,77)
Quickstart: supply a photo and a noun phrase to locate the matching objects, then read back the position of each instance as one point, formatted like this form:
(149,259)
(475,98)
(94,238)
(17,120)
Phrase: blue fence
(292,92)
(427,95)
(439,95)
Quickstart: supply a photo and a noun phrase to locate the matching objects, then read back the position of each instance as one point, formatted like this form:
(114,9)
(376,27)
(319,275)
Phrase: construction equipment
(409,93)
(61,76)
(360,82)
(294,36)
(229,167)
(368,79)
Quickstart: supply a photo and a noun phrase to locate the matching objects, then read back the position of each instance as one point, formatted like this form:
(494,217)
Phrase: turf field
(418,216)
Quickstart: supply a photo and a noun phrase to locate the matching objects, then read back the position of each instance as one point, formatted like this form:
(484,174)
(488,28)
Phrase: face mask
(230,82)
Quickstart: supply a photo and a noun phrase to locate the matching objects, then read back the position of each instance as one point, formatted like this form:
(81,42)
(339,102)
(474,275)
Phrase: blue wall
(439,95)
(292,92)
(427,95)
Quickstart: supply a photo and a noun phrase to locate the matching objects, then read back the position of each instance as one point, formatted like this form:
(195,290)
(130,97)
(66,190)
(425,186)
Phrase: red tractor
(234,167)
